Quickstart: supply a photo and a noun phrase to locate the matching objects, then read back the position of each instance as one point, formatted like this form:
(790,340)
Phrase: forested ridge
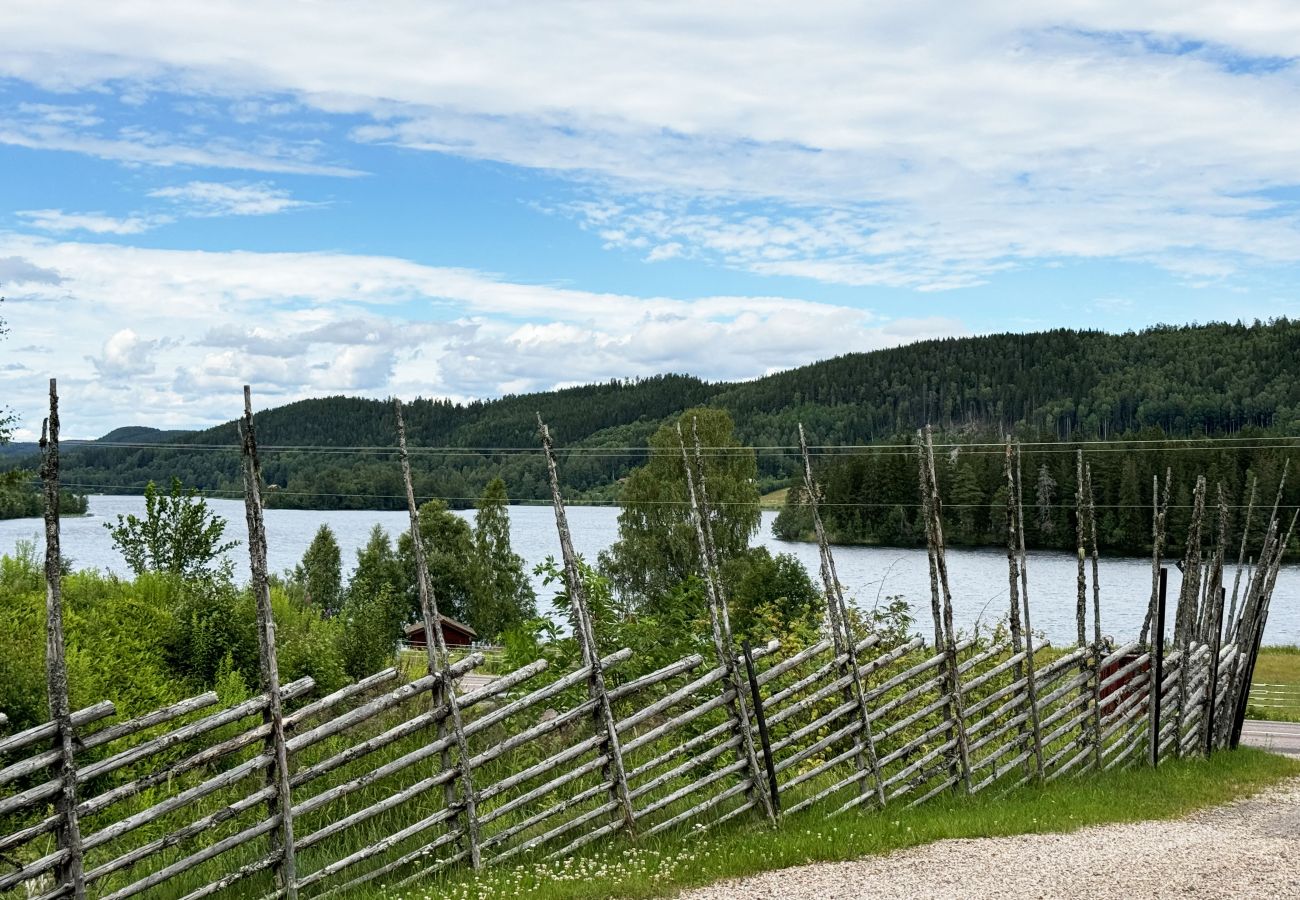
(1063,385)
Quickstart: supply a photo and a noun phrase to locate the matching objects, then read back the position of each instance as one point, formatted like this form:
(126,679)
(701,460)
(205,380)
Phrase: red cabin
(456,634)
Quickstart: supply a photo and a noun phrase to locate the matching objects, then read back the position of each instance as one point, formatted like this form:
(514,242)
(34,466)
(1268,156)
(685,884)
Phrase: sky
(469,199)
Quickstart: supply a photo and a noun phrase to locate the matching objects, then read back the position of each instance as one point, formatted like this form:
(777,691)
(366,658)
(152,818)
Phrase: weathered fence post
(71,871)
(939,572)
(764,738)
(1157,665)
(1241,561)
(281,805)
(435,645)
(842,634)
(1096,618)
(1212,689)
(1031,685)
(1187,615)
(1087,663)
(1159,511)
(721,623)
(615,772)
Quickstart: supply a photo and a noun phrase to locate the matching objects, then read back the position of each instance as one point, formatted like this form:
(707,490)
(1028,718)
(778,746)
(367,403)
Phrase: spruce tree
(503,597)
(321,571)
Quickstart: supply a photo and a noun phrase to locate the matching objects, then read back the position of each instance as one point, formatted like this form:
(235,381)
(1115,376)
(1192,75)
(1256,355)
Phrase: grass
(1279,665)
(657,868)
(773,499)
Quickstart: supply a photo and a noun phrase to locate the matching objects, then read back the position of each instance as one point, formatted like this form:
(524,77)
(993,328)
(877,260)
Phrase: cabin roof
(417,627)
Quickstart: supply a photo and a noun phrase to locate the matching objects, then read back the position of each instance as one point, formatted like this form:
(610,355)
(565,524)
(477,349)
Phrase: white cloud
(210,198)
(321,323)
(126,354)
(76,129)
(58,221)
(935,144)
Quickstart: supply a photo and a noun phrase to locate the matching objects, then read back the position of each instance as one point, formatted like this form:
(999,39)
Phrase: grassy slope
(660,867)
(1278,666)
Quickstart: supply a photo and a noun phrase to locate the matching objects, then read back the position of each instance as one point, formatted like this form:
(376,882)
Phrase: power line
(122,490)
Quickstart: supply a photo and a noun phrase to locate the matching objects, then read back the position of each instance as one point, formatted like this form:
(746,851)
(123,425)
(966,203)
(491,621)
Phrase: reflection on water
(978,577)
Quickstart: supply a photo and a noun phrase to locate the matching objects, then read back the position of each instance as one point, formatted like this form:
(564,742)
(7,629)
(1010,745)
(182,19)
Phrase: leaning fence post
(718,618)
(1031,684)
(838,614)
(939,568)
(435,646)
(71,871)
(1157,666)
(615,773)
(281,805)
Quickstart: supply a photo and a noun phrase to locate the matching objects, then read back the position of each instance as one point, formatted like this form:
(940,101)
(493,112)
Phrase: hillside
(1184,381)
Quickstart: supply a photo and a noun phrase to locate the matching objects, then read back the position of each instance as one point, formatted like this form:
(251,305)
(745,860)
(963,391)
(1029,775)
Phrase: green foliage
(179,535)
(320,573)
(657,547)
(22,498)
(502,594)
(772,596)
(370,626)
(449,555)
(213,624)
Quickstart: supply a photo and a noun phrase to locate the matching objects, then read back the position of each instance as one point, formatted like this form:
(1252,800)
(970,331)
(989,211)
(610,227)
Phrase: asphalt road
(1280,737)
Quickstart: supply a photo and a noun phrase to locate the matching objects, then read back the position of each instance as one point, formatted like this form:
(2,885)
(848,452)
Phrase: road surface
(1280,737)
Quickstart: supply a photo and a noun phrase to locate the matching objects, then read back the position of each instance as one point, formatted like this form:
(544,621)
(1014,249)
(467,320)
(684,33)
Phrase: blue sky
(469,199)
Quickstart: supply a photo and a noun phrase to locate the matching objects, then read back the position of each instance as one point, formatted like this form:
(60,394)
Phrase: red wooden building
(456,634)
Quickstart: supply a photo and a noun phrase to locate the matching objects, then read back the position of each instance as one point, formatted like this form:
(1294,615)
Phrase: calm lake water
(978,577)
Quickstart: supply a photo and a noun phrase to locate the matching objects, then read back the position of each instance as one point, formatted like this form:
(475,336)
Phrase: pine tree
(503,597)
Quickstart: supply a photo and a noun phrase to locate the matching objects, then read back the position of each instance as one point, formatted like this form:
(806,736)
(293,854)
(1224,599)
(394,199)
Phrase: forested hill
(1062,384)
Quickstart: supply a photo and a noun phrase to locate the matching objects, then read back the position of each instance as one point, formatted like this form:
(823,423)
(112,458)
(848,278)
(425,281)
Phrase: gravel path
(1250,848)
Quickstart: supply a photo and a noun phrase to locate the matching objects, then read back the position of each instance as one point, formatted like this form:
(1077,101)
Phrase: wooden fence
(386,781)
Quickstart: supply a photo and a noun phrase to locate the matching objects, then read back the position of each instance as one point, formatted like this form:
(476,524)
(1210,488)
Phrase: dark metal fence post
(1212,689)
(1243,697)
(1158,667)
(763,736)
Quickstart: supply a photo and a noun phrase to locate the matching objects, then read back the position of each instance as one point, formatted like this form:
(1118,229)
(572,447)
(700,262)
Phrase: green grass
(660,867)
(1278,665)
(774,499)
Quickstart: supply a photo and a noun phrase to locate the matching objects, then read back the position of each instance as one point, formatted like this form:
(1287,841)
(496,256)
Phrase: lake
(978,577)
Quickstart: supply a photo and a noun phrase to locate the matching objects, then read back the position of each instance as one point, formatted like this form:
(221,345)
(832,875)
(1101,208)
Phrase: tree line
(1183,381)
(871,497)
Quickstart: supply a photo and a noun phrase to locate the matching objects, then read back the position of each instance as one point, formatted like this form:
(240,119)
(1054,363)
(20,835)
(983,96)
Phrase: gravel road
(1245,849)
